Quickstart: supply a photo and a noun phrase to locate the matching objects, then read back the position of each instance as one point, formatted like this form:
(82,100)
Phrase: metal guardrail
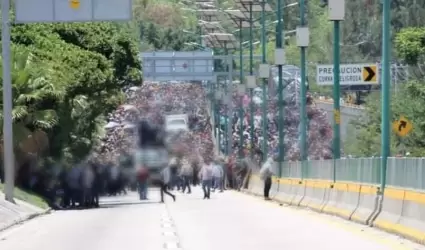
(342,105)
(401,172)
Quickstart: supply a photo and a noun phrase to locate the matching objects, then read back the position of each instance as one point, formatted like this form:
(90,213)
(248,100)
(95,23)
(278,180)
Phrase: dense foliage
(164,25)
(66,78)
(407,100)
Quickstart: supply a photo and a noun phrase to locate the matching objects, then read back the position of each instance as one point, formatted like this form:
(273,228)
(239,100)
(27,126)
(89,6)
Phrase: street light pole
(229,101)
(241,113)
(303,88)
(264,80)
(218,98)
(279,45)
(336,15)
(336,92)
(386,85)
(8,155)
(251,90)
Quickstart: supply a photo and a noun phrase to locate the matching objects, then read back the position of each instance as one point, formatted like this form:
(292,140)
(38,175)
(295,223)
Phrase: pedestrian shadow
(127,204)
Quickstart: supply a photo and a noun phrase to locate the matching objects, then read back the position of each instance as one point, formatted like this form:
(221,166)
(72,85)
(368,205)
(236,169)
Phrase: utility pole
(251,88)
(386,86)
(8,155)
(336,15)
(303,40)
(264,80)
(241,91)
(280,60)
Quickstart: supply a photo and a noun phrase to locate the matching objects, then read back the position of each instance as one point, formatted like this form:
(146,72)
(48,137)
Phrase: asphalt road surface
(229,221)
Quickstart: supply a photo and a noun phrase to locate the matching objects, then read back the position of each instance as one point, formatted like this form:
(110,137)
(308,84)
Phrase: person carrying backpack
(142,177)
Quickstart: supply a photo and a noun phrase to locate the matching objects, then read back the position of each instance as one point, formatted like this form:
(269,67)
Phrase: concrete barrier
(256,185)
(315,194)
(275,187)
(397,211)
(403,213)
(367,205)
(285,192)
(298,192)
(343,199)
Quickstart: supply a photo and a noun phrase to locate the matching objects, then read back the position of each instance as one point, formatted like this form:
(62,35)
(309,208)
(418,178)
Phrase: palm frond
(45,119)
(19,112)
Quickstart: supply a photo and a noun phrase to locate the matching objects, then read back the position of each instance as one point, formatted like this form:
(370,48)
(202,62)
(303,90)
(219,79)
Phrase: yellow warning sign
(337,116)
(402,126)
(369,73)
(74,4)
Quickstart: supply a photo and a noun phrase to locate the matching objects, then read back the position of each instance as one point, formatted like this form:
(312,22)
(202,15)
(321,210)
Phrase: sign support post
(336,14)
(336,93)
(303,40)
(386,85)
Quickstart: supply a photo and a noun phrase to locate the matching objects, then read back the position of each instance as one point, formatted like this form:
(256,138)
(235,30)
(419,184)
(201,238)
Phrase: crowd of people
(152,101)
(319,131)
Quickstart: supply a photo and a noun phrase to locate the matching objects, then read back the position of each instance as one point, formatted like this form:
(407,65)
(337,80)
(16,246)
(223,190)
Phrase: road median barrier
(403,213)
(341,200)
(397,211)
(284,195)
(315,194)
(298,192)
(368,204)
(256,185)
(275,187)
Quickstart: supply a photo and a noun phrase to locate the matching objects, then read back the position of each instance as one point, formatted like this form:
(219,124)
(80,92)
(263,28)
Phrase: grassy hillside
(27,197)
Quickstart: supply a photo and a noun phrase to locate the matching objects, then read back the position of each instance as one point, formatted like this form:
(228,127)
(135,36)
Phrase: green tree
(407,101)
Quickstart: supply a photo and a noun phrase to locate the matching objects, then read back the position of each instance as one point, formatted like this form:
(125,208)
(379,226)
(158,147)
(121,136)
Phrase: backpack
(142,174)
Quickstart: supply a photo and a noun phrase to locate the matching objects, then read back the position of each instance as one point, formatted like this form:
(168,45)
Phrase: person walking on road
(266,174)
(218,175)
(206,175)
(164,182)
(143,176)
(186,172)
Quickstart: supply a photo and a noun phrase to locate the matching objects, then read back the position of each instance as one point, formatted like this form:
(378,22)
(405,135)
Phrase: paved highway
(229,221)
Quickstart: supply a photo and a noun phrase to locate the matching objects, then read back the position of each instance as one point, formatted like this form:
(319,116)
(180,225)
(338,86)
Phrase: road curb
(25,218)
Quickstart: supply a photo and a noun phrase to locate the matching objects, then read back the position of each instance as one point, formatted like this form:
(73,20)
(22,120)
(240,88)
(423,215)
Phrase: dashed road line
(172,245)
(170,236)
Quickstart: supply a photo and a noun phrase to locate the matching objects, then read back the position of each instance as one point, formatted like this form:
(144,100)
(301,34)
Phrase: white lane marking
(167,222)
(167,225)
(169,234)
(172,245)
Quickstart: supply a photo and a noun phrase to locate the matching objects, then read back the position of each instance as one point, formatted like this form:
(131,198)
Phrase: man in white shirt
(217,172)
(206,175)
(266,173)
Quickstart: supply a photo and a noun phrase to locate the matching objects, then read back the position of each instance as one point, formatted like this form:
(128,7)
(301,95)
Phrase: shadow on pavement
(124,204)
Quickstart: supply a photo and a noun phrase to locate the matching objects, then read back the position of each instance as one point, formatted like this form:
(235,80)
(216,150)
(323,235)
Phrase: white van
(175,123)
